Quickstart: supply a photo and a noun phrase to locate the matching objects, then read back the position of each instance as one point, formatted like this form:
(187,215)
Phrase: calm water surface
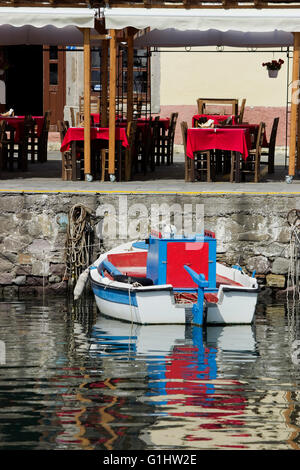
(70,379)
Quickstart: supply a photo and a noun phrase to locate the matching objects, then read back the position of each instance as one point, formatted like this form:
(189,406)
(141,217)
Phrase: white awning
(244,20)
(41,17)
(175,38)
(50,35)
(36,26)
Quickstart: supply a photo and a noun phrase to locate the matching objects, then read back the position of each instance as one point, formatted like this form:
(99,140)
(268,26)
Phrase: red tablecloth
(165,122)
(77,134)
(222,139)
(217,118)
(253,128)
(17,123)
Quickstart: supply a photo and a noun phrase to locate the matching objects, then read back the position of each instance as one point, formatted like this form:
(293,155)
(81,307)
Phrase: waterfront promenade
(46,177)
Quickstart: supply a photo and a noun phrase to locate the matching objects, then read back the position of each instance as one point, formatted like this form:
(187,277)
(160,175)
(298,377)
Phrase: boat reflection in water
(174,378)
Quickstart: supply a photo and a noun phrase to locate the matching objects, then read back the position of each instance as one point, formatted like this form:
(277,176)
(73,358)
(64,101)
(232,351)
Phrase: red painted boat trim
(211,298)
(226,281)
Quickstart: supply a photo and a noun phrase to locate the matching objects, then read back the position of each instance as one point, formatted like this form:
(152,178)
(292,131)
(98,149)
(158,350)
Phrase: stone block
(11,203)
(6,278)
(254,236)
(275,280)
(280,266)
(259,263)
(23,270)
(40,268)
(39,247)
(24,258)
(57,269)
(19,280)
(5,265)
(36,281)
(54,279)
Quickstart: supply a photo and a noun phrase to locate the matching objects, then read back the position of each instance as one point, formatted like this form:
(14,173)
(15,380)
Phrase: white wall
(186,76)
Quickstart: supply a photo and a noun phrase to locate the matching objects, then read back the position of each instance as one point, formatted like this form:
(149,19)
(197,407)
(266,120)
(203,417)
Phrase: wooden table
(75,135)
(231,139)
(17,123)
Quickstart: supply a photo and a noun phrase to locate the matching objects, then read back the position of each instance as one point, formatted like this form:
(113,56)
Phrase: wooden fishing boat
(172,280)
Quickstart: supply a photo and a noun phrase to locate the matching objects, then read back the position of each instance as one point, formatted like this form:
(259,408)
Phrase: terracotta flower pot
(273,73)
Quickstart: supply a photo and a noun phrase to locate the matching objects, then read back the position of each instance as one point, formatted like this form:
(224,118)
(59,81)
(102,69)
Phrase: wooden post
(130,54)
(87,103)
(294,105)
(112,104)
(104,83)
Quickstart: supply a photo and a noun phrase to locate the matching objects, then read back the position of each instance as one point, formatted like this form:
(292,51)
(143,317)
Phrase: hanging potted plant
(273,67)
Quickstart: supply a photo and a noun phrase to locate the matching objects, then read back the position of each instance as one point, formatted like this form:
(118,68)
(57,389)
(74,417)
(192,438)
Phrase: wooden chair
(6,146)
(130,152)
(43,139)
(202,164)
(269,151)
(202,102)
(252,165)
(38,143)
(154,155)
(147,146)
(241,111)
(95,107)
(66,157)
(138,108)
(73,116)
(24,147)
(189,167)
(167,141)
(123,157)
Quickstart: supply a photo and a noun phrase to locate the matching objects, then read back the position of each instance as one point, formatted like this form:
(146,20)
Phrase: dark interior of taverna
(114,133)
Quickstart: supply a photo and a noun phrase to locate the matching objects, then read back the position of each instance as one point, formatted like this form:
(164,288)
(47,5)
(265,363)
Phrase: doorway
(24,79)
(54,64)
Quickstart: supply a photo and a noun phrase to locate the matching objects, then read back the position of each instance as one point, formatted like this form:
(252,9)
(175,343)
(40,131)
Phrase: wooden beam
(130,54)
(112,103)
(104,84)
(87,102)
(99,37)
(294,105)
(100,26)
(298,139)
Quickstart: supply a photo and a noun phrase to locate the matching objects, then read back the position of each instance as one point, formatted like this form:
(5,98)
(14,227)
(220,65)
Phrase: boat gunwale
(130,287)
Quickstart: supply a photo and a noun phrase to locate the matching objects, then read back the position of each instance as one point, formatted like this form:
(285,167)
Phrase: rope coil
(79,242)
(293,219)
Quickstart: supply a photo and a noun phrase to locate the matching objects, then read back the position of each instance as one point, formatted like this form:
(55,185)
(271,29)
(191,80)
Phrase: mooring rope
(80,234)
(294,254)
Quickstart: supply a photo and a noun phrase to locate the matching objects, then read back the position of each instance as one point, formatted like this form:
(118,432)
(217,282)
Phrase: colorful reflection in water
(74,380)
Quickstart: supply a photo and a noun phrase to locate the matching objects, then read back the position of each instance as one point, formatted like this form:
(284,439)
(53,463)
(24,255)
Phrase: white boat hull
(156,304)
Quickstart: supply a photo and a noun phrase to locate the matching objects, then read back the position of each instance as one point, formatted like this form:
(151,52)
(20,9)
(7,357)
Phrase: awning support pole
(130,53)
(104,83)
(87,104)
(294,105)
(112,104)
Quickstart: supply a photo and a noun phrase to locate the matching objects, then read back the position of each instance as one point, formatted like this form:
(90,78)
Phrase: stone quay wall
(251,230)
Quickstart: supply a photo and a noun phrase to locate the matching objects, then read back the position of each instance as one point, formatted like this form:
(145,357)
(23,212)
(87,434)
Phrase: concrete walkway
(46,177)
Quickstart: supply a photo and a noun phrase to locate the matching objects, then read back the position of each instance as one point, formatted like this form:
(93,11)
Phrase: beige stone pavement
(46,177)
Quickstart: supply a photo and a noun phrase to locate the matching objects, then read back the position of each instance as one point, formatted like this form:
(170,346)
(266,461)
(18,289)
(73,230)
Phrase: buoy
(81,282)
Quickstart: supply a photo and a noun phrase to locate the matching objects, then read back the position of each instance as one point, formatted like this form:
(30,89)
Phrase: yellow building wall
(186,76)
